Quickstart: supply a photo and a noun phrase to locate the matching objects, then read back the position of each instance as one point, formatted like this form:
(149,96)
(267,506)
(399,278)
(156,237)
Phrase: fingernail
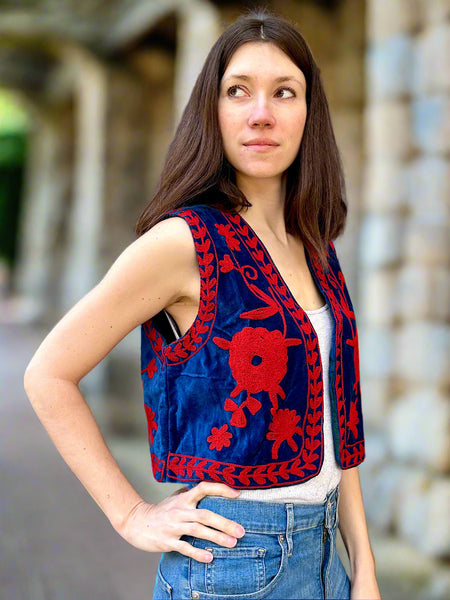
(208,557)
(241,531)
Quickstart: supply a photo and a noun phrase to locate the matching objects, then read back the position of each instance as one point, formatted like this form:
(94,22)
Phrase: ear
(222,343)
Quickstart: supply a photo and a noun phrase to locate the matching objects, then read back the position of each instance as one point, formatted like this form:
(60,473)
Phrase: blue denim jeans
(288,552)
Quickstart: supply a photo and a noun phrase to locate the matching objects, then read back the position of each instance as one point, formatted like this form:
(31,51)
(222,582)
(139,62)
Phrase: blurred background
(90,94)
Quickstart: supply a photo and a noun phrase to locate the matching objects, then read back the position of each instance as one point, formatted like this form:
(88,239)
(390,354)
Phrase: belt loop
(331,509)
(338,494)
(289,526)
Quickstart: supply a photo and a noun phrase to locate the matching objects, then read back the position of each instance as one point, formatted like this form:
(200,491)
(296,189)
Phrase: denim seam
(265,590)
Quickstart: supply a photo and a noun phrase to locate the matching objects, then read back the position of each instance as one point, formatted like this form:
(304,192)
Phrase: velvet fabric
(239,398)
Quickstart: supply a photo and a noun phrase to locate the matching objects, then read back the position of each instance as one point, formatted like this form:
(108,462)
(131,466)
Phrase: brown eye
(285,92)
(235,91)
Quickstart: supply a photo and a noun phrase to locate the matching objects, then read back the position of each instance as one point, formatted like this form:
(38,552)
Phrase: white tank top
(314,490)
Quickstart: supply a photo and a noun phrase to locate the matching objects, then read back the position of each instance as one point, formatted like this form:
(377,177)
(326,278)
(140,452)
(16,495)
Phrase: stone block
(380,491)
(433,12)
(429,189)
(376,349)
(390,67)
(432,516)
(376,447)
(375,400)
(410,505)
(427,243)
(440,300)
(423,293)
(421,353)
(431,73)
(388,130)
(385,19)
(431,123)
(412,298)
(380,240)
(418,426)
(377,295)
(438,587)
(385,185)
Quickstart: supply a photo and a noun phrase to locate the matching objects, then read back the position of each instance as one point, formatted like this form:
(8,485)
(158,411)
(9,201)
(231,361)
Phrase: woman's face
(262,111)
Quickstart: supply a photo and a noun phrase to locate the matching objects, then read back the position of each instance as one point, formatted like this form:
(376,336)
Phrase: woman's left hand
(365,589)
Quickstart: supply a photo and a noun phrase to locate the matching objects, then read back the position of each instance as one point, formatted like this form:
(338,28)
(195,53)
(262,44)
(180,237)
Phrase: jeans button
(195,595)
(281,538)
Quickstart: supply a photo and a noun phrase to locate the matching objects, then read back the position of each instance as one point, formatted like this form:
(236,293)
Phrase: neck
(266,213)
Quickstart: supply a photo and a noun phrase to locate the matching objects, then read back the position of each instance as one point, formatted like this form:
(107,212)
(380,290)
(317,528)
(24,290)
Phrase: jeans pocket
(162,589)
(245,570)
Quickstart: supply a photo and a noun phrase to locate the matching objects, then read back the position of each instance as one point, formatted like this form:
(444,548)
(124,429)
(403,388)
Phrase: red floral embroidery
(229,234)
(158,466)
(314,415)
(258,361)
(340,305)
(353,419)
(198,334)
(283,428)
(155,339)
(150,369)
(151,423)
(192,468)
(239,419)
(226,264)
(219,438)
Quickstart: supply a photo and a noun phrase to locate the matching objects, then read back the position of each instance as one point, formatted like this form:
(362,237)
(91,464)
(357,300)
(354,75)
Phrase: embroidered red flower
(283,428)
(226,264)
(353,419)
(151,423)
(150,369)
(228,234)
(239,419)
(219,438)
(258,360)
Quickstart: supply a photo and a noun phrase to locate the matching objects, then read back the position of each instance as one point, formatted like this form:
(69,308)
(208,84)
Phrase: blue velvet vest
(238,398)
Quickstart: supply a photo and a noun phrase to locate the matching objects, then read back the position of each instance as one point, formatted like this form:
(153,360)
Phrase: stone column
(404,271)
(82,260)
(198,29)
(85,225)
(46,193)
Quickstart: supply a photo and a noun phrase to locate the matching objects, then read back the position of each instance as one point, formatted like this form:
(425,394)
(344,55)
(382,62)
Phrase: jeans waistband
(272,517)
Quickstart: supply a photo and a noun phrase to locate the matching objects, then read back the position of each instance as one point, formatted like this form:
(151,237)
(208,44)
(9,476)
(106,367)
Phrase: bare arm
(152,273)
(353,528)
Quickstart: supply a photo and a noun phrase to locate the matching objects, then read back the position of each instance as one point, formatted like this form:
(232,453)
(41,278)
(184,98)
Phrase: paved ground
(55,544)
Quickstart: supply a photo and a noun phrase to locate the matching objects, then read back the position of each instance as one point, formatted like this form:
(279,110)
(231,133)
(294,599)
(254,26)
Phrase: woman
(235,250)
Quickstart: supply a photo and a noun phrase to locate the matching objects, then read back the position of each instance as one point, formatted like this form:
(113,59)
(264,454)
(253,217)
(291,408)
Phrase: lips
(261,142)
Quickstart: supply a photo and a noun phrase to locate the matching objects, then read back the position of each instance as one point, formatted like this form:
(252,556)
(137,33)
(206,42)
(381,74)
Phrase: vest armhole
(184,346)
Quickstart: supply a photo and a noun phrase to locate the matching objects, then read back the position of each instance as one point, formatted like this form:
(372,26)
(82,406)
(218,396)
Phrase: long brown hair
(196,170)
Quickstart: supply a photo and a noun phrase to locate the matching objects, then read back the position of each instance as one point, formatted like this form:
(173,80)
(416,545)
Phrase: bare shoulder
(159,263)
(150,274)
(170,236)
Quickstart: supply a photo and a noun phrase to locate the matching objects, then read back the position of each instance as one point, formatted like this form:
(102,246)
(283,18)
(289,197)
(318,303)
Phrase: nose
(261,114)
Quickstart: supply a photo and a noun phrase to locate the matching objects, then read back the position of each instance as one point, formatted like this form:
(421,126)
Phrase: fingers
(212,519)
(193,552)
(201,531)
(209,488)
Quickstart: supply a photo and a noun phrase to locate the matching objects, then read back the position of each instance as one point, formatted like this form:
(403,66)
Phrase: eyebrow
(281,79)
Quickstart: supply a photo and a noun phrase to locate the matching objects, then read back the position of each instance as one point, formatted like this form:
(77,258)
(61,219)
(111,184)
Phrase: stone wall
(386,73)
(404,272)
